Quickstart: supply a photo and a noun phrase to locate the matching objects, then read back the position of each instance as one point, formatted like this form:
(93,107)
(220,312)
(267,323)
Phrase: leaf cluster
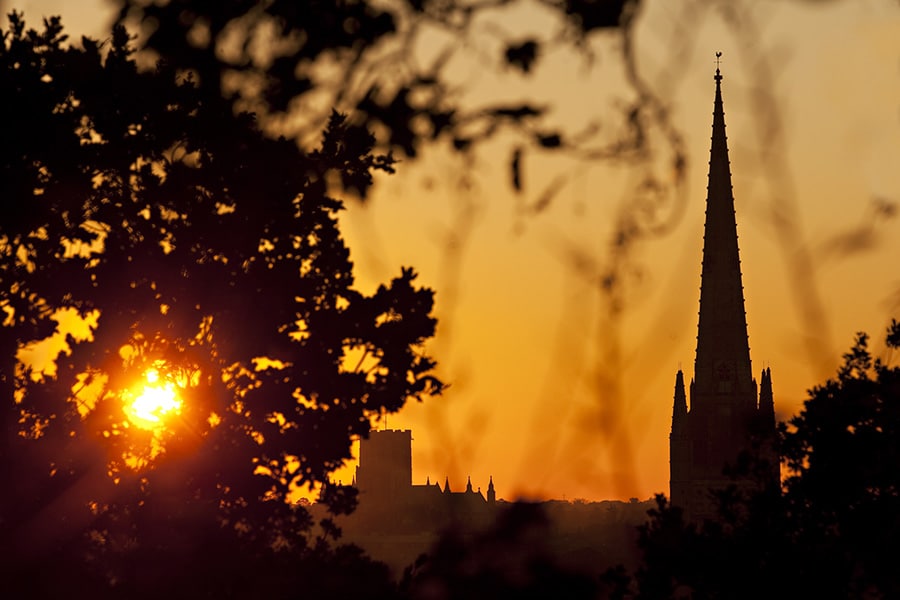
(282,57)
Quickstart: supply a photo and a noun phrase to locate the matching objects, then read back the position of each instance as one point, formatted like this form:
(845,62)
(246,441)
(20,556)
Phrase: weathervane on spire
(718,75)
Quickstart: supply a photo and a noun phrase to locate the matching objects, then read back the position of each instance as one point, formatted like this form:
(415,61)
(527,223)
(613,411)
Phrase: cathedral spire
(723,353)
(725,420)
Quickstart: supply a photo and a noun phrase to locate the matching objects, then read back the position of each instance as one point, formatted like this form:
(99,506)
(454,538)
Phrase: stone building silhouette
(729,417)
(388,500)
(397,521)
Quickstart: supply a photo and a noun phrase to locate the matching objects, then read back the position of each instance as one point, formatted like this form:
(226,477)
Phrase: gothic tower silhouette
(725,419)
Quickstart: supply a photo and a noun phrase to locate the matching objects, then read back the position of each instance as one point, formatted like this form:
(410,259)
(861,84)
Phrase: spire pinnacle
(679,406)
(766,401)
(723,352)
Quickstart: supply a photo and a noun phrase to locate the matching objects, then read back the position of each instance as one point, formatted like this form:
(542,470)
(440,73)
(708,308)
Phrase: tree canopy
(186,241)
(387,64)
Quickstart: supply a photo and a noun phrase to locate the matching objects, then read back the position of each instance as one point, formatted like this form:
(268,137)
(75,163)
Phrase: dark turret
(679,405)
(766,399)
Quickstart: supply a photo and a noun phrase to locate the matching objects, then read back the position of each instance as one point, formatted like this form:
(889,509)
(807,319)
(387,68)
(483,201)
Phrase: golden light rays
(158,401)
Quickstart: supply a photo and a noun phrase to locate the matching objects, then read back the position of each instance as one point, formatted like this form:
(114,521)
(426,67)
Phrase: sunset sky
(551,395)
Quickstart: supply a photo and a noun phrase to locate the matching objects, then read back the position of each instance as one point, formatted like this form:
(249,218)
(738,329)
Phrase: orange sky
(548,395)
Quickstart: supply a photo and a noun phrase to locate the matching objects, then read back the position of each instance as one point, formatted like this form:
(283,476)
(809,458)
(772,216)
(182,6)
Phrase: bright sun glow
(157,401)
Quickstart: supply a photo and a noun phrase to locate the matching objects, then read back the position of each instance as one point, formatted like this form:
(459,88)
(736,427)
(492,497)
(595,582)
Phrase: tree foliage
(389,65)
(193,244)
(843,493)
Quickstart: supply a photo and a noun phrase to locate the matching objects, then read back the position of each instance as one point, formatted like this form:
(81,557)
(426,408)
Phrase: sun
(154,404)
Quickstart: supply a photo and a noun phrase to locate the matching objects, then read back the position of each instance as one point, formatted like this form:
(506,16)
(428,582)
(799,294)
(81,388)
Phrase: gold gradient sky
(549,396)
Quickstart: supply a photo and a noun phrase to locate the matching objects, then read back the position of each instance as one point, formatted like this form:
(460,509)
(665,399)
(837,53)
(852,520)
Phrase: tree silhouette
(195,245)
(843,494)
(270,55)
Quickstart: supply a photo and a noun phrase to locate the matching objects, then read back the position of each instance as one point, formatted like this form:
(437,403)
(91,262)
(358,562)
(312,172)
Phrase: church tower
(725,417)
